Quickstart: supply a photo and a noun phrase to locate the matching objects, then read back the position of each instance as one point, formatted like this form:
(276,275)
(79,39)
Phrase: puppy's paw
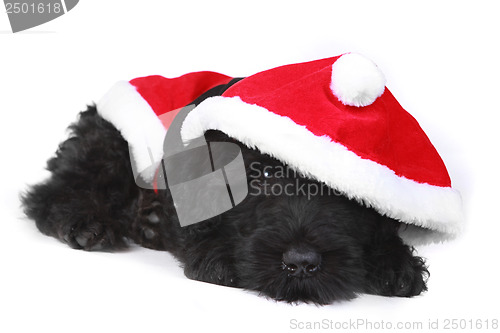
(147,228)
(89,236)
(405,279)
(400,274)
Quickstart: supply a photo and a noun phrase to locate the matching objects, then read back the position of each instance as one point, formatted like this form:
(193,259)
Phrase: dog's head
(291,238)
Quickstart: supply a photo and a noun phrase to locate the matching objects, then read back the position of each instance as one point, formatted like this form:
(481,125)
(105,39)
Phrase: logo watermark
(207,179)
(26,14)
(277,180)
(364,324)
(204,179)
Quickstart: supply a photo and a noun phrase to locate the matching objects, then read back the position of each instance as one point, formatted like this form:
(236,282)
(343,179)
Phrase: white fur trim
(356,80)
(438,209)
(125,108)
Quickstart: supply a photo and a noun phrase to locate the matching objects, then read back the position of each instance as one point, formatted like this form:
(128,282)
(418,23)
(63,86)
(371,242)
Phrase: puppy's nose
(301,262)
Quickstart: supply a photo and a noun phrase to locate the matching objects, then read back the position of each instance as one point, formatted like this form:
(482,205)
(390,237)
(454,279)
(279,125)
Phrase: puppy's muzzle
(300,262)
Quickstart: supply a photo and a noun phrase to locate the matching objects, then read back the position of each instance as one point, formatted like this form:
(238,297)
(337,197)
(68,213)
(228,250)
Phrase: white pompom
(356,80)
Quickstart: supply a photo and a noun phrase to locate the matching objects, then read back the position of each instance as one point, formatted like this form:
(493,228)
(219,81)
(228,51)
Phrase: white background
(441,60)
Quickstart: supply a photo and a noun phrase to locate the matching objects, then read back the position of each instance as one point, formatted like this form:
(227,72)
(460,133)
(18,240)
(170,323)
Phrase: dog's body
(313,248)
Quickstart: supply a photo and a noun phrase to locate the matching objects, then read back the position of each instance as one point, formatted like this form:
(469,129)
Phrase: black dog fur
(294,248)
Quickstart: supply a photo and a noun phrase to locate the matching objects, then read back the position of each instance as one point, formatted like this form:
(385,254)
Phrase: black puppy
(319,247)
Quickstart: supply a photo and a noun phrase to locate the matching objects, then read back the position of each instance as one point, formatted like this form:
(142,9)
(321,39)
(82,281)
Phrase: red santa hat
(333,120)
(142,109)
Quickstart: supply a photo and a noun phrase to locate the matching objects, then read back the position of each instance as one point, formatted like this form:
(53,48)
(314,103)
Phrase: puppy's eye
(267,173)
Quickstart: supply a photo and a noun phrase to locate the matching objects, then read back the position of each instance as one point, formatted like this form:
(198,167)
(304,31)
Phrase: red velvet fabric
(167,96)
(164,94)
(382,132)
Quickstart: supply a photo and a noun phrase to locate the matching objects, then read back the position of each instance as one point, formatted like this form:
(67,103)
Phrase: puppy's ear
(217,136)
(390,226)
